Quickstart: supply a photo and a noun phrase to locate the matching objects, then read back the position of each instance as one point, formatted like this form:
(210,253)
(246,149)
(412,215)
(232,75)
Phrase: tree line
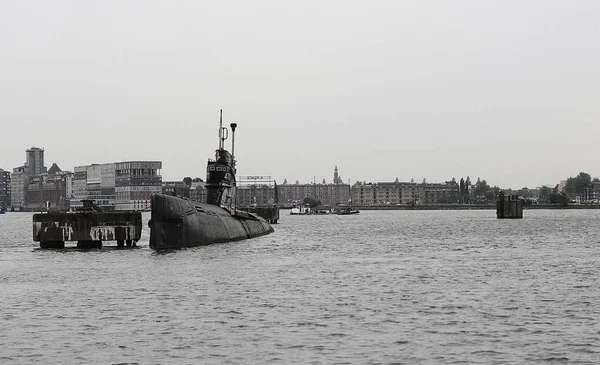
(481,192)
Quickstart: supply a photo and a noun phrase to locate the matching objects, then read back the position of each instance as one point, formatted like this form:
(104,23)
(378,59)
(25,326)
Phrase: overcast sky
(503,90)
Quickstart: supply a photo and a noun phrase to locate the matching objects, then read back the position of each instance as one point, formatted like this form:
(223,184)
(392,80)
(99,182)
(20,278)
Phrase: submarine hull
(178,223)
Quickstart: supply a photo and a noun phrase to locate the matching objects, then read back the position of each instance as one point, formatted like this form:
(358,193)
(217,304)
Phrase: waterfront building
(255,195)
(255,190)
(176,188)
(403,193)
(5,189)
(34,166)
(327,194)
(595,193)
(79,186)
(387,193)
(135,182)
(440,193)
(120,185)
(336,193)
(94,182)
(198,191)
(49,191)
(363,194)
(18,180)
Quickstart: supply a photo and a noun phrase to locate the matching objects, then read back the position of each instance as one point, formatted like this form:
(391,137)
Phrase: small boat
(177,222)
(347,211)
(300,210)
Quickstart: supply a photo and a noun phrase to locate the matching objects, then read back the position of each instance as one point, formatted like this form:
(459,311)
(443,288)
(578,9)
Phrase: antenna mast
(223,132)
(233,127)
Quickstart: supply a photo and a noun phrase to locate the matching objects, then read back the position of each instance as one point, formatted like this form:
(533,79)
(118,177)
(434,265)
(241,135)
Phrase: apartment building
(250,195)
(119,185)
(176,188)
(5,190)
(135,182)
(18,180)
(403,193)
(327,194)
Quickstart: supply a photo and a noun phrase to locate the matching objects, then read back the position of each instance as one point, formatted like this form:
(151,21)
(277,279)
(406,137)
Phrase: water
(381,287)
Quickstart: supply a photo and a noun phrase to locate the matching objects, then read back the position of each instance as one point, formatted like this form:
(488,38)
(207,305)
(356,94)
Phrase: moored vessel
(347,211)
(301,209)
(177,222)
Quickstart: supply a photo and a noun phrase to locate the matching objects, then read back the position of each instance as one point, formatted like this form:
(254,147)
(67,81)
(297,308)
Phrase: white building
(120,185)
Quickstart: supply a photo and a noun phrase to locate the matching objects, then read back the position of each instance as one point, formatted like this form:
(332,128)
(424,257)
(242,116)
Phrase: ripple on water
(380,287)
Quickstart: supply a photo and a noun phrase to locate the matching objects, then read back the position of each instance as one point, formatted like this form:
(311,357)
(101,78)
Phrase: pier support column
(52,244)
(89,244)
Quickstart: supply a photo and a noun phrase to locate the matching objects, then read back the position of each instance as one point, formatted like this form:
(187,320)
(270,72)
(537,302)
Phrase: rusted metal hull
(178,223)
(87,228)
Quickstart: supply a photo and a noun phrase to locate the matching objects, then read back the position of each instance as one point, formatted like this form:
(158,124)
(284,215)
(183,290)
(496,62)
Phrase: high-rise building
(18,184)
(34,166)
(35,161)
(5,191)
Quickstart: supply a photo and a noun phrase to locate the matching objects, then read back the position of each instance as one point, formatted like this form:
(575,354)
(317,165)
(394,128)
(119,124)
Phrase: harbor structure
(89,226)
(509,206)
(5,190)
(117,186)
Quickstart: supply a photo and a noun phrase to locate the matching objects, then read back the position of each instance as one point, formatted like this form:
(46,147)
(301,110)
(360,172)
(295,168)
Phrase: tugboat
(177,222)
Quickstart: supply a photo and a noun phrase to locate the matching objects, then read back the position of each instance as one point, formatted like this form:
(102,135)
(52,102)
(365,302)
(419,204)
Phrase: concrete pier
(509,206)
(90,229)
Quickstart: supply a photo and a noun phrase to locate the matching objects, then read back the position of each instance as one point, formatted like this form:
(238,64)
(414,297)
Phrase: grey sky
(502,90)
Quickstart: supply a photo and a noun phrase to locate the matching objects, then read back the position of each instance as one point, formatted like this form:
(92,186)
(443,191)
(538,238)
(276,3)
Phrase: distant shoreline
(421,207)
(469,207)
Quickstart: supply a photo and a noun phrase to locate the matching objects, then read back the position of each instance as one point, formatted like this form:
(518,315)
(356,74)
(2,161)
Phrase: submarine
(177,222)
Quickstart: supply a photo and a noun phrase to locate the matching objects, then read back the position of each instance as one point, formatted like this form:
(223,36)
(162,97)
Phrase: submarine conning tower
(220,172)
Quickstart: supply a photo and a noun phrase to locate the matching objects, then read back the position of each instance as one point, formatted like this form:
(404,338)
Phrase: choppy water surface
(383,287)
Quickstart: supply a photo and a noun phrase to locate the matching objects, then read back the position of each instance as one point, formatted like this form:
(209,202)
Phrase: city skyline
(502,91)
(280,180)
